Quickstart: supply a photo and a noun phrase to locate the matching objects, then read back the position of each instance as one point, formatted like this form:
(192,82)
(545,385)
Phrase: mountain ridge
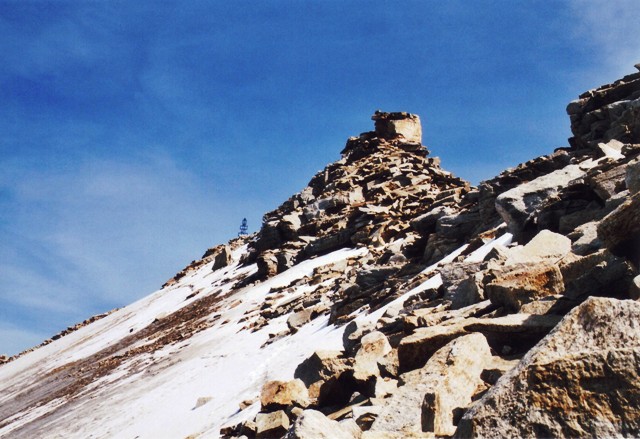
(388,298)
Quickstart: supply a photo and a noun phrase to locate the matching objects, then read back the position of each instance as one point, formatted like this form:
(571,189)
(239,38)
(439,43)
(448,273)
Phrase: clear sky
(135,134)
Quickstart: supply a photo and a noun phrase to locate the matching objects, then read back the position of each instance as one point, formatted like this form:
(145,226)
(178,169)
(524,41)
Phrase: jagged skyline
(137,136)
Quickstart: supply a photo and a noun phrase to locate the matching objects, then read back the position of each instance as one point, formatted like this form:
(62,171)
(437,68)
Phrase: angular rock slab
(581,380)
(312,424)
(516,206)
(545,246)
(271,425)
(415,350)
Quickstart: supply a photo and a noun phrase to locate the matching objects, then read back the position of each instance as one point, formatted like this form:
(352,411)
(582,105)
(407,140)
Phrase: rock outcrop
(581,380)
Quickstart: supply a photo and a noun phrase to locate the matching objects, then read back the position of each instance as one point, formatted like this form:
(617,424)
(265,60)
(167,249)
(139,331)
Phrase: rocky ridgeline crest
(513,341)
(504,310)
(369,197)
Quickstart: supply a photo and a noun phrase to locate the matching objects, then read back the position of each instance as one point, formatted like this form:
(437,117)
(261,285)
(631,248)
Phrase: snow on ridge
(145,394)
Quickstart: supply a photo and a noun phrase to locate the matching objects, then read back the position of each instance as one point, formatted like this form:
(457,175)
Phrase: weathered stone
(328,243)
(366,372)
(426,223)
(496,368)
(448,380)
(328,376)
(425,317)
(312,424)
(458,226)
(581,380)
(598,274)
(321,366)
(271,425)
(267,263)
(620,230)
(545,305)
(245,429)
(222,258)
(353,332)
(546,246)
(454,372)
(389,364)
(519,284)
(364,415)
(461,285)
(374,276)
(289,226)
(384,387)
(286,258)
(415,350)
(514,333)
(350,426)
(268,237)
(298,319)
(608,183)
(373,347)
(277,395)
(517,206)
(632,176)
(585,238)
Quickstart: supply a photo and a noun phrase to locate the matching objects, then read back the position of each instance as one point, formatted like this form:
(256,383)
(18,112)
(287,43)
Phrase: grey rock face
(582,380)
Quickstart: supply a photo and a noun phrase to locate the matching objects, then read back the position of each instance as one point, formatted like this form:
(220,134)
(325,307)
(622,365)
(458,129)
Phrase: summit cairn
(400,129)
(399,124)
(367,198)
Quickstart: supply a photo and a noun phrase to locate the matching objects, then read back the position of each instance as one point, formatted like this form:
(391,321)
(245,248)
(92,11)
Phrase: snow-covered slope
(158,394)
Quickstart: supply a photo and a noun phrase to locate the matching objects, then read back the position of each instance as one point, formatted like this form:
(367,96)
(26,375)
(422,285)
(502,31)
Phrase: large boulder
(581,380)
(374,346)
(455,373)
(353,333)
(222,258)
(328,376)
(597,274)
(518,206)
(546,246)
(514,286)
(513,333)
(430,396)
(322,365)
(277,395)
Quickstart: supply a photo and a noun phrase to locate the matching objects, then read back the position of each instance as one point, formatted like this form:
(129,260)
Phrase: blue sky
(135,135)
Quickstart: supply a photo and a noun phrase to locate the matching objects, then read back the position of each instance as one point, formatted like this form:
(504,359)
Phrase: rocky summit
(387,299)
